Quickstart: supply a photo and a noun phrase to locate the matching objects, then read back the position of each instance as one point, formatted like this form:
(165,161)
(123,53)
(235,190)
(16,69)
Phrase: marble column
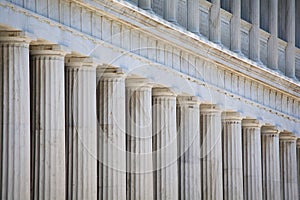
(270,163)
(215,21)
(139,139)
(298,165)
(254,41)
(170,10)
(288,166)
(164,144)
(273,40)
(111,140)
(81,128)
(211,152)
(252,159)
(14,116)
(290,38)
(188,128)
(232,156)
(47,86)
(145,4)
(193,16)
(235,26)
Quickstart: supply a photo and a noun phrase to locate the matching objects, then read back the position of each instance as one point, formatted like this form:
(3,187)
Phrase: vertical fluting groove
(270,163)
(288,166)
(232,156)
(252,159)
(165,144)
(81,130)
(211,152)
(139,140)
(188,128)
(48,127)
(111,136)
(14,116)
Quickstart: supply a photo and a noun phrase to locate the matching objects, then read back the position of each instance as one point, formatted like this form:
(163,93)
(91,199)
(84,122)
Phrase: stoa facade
(149,99)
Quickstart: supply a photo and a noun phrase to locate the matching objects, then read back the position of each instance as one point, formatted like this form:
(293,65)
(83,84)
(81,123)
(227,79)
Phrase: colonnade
(72,129)
(250,11)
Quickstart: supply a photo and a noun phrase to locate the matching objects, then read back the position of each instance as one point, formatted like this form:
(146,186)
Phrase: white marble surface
(164,144)
(232,155)
(252,159)
(211,152)
(14,116)
(235,26)
(254,42)
(188,129)
(139,158)
(111,139)
(290,38)
(81,128)
(48,122)
(215,22)
(273,29)
(193,12)
(270,162)
(288,166)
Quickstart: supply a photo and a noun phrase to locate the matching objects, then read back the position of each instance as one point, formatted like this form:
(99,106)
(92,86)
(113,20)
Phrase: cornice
(135,17)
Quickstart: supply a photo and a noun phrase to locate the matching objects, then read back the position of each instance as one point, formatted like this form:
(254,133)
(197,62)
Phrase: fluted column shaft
(111,135)
(273,40)
(232,156)
(235,26)
(252,159)
(47,122)
(215,21)
(298,166)
(139,139)
(288,166)
(290,38)
(254,31)
(81,129)
(211,152)
(164,144)
(193,18)
(188,128)
(270,163)
(145,4)
(170,10)
(14,117)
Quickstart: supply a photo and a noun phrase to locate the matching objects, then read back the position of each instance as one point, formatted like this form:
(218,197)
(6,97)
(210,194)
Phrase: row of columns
(121,138)
(253,7)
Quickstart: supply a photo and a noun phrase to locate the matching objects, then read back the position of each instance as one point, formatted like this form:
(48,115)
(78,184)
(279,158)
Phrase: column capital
(47,50)
(161,91)
(210,108)
(134,82)
(14,37)
(106,71)
(187,101)
(80,61)
(231,116)
(269,129)
(287,136)
(251,123)
(298,142)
